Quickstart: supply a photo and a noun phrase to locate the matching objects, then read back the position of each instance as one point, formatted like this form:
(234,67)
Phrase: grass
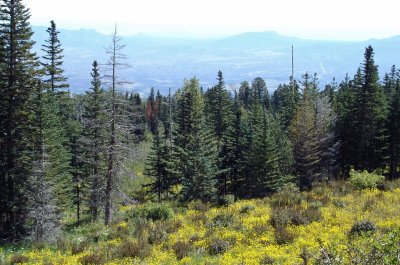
(334,224)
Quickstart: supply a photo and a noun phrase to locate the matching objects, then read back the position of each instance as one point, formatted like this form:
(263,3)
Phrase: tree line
(60,152)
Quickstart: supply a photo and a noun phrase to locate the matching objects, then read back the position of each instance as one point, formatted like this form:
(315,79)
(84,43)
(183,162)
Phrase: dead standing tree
(119,126)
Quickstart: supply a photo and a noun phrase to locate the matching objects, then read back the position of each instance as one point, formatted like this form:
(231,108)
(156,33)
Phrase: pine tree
(245,94)
(159,167)
(152,112)
(218,109)
(53,61)
(304,137)
(94,137)
(344,109)
(284,102)
(18,73)
(393,126)
(260,92)
(195,147)
(369,118)
(57,123)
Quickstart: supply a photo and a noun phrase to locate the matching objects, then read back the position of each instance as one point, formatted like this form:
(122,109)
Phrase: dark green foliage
(18,78)
(393,125)
(152,111)
(369,115)
(362,227)
(54,80)
(94,139)
(304,136)
(154,212)
(195,147)
(284,102)
(159,167)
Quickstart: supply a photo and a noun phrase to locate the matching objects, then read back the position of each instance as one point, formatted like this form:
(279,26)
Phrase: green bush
(365,180)
(154,212)
(226,200)
(362,227)
(289,196)
(222,220)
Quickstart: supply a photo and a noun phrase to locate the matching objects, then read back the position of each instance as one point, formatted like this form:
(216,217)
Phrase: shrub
(159,212)
(182,249)
(362,227)
(218,246)
(78,246)
(91,259)
(283,236)
(364,180)
(288,197)
(157,233)
(154,212)
(294,216)
(247,208)
(18,259)
(199,206)
(131,249)
(222,220)
(226,200)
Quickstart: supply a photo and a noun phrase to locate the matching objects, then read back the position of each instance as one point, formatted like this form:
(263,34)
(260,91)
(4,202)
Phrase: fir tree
(304,137)
(393,126)
(369,118)
(94,137)
(18,73)
(160,168)
(194,144)
(53,61)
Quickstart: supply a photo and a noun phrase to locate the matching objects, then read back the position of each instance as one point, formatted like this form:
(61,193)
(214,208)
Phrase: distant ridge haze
(163,62)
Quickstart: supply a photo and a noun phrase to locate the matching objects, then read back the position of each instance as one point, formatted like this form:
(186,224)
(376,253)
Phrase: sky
(313,19)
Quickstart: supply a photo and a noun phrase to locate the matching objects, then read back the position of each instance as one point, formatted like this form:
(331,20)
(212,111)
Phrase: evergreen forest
(228,174)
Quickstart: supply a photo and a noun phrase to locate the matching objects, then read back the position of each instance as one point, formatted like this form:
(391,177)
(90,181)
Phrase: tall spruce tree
(57,123)
(304,137)
(53,61)
(159,168)
(94,139)
(195,148)
(18,73)
(369,118)
(344,109)
(393,126)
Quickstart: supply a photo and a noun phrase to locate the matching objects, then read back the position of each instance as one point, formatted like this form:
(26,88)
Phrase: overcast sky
(317,19)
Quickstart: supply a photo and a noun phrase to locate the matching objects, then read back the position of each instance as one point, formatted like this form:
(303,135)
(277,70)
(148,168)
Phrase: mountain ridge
(163,62)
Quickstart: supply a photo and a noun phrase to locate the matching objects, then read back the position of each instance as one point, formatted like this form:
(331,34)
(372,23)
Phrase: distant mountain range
(163,63)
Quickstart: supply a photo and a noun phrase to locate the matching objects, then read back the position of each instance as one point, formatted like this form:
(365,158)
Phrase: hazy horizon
(309,19)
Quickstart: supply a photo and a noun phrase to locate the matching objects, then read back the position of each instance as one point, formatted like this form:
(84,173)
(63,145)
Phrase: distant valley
(163,63)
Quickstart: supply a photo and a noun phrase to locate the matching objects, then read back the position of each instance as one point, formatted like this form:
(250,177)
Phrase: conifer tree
(304,137)
(394,130)
(369,118)
(18,73)
(344,109)
(245,94)
(152,112)
(159,167)
(195,148)
(53,60)
(94,137)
